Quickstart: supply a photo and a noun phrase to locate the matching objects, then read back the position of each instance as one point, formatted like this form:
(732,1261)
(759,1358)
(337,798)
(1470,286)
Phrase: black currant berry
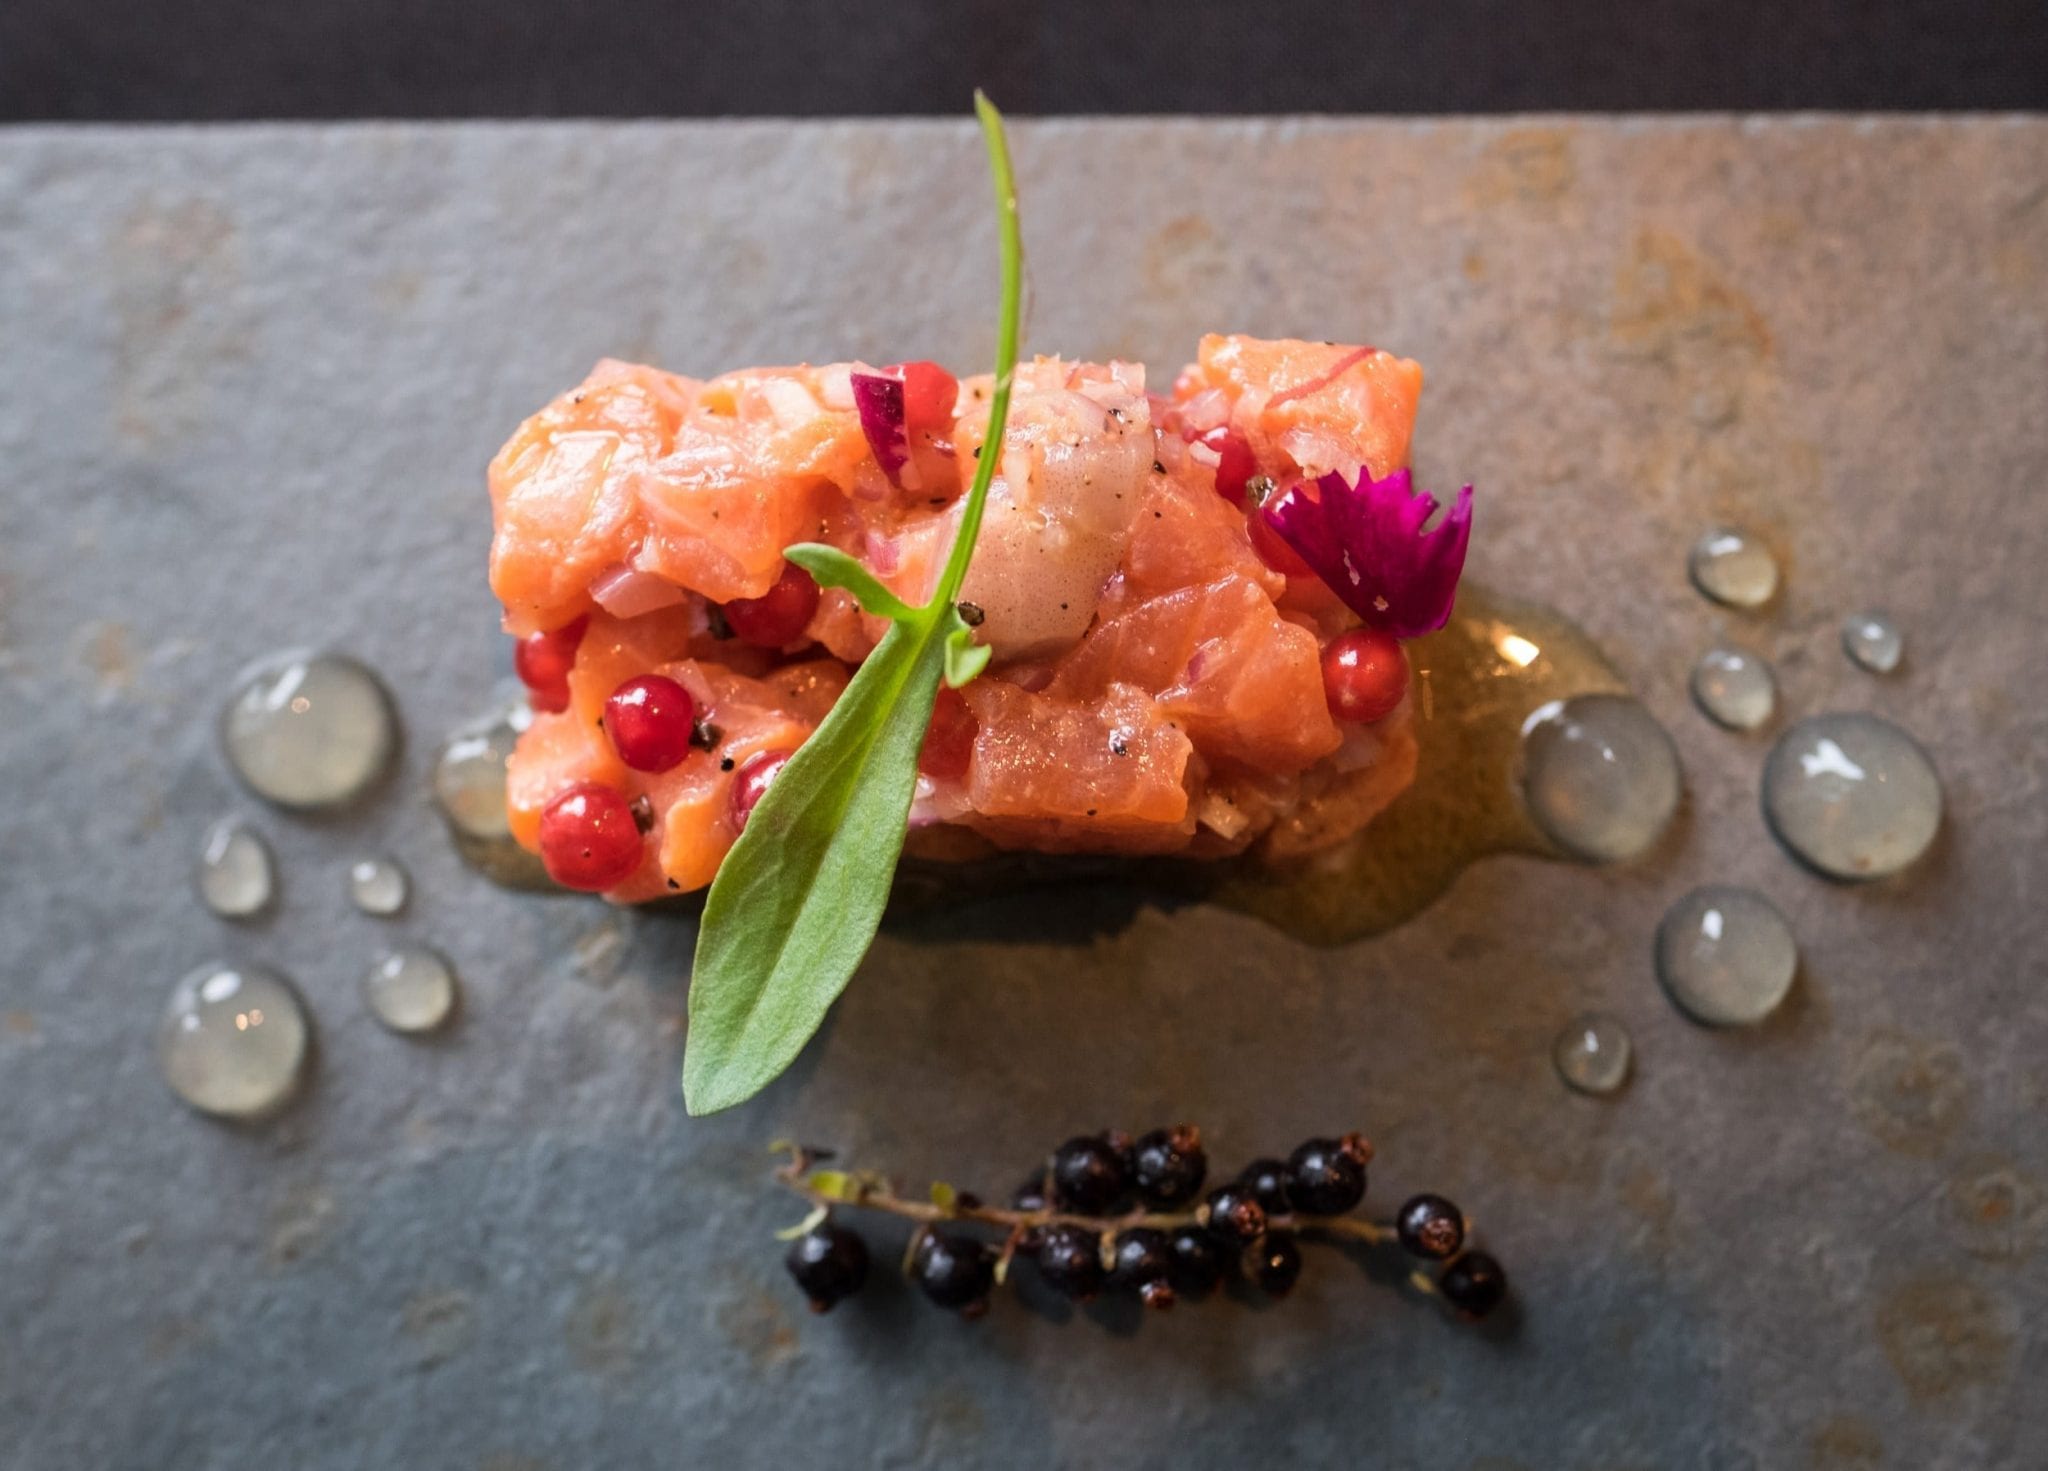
(1194,1262)
(1168,1166)
(829,1263)
(1274,1263)
(1070,1260)
(1029,1196)
(1143,1260)
(1474,1284)
(1267,1180)
(1326,1177)
(1123,1147)
(1088,1175)
(954,1271)
(1233,1216)
(1430,1226)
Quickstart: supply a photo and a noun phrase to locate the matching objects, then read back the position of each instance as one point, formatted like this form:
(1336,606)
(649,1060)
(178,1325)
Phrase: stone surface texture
(249,383)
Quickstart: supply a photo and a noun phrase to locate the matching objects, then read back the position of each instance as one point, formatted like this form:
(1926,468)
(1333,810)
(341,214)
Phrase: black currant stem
(868,1194)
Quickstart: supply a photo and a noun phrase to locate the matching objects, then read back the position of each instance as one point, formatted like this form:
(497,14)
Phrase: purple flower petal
(879,399)
(1366,541)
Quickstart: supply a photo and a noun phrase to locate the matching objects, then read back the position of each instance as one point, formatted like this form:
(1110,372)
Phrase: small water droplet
(1600,776)
(1872,641)
(469,788)
(411,990)
(1726,956)
(236,875)
(1592,1053)
(1733,568)
(378,886)
(233,1040)
(1735,690)
(1851,795)
(309,730)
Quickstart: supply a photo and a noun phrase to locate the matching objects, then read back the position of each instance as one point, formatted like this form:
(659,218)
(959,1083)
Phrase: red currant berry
(1274,551)
(649,720)
(588,838)
(1365,675)
(543,662)
(779,615)
(751,782)
(949,742)
(1234,466)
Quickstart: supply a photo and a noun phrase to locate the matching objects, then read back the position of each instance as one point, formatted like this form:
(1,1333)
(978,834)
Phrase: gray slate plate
(250,378)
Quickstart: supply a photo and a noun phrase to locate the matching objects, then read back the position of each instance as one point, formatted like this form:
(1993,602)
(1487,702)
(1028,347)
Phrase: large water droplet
(469,788)
(309,730)
(1733,568)
(1599,775)
(1735,690)
(236,875)
(378,886)
(1726,956)
(1872,641)
(1592,1053)
(411,990)
(1851,795)
(233,1040)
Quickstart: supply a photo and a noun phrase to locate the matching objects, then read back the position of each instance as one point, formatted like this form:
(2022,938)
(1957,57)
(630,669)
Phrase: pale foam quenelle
(1600,776)
(309,730)
(236,875)
(1735,690)
(234,1041)
(1725,956)
(1851,795)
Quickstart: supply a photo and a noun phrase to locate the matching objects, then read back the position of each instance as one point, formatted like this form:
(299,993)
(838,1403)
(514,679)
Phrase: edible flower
(1366,541)
(879,399)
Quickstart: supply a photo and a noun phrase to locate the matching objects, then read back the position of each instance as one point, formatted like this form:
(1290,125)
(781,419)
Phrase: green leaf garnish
(797,900)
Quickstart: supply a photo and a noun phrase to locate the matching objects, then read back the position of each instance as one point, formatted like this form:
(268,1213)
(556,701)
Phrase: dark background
(222,59)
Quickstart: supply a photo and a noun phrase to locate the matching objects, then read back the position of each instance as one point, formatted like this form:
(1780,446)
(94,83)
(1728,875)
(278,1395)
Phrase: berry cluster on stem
(1108,1213)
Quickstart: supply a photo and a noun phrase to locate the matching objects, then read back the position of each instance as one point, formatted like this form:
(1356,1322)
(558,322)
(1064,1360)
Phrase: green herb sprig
(797,901)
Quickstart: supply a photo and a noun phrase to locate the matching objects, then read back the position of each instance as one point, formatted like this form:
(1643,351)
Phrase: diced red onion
(879,400)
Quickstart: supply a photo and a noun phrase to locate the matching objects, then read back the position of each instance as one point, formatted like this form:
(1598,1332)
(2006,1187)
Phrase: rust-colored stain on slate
(1911,1092)
(1942,1334)
(439,1324)
(601,1330)
(760,1326)
(1996,1210)
(1845,1443)
(1670,303)
(1527,166)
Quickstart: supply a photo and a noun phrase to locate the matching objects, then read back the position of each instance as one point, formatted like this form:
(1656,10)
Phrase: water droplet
(1851,795)
(1733,568)
(309,730)
(378,885)
(1872,641)
(1726,956)
(236,875)
(1736,691)
(1592,1053)
(469,788)
(233,1041)
(411,990)
(1599,775)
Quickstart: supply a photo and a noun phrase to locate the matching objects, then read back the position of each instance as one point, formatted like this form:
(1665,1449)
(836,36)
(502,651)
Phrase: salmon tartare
(1172,670)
